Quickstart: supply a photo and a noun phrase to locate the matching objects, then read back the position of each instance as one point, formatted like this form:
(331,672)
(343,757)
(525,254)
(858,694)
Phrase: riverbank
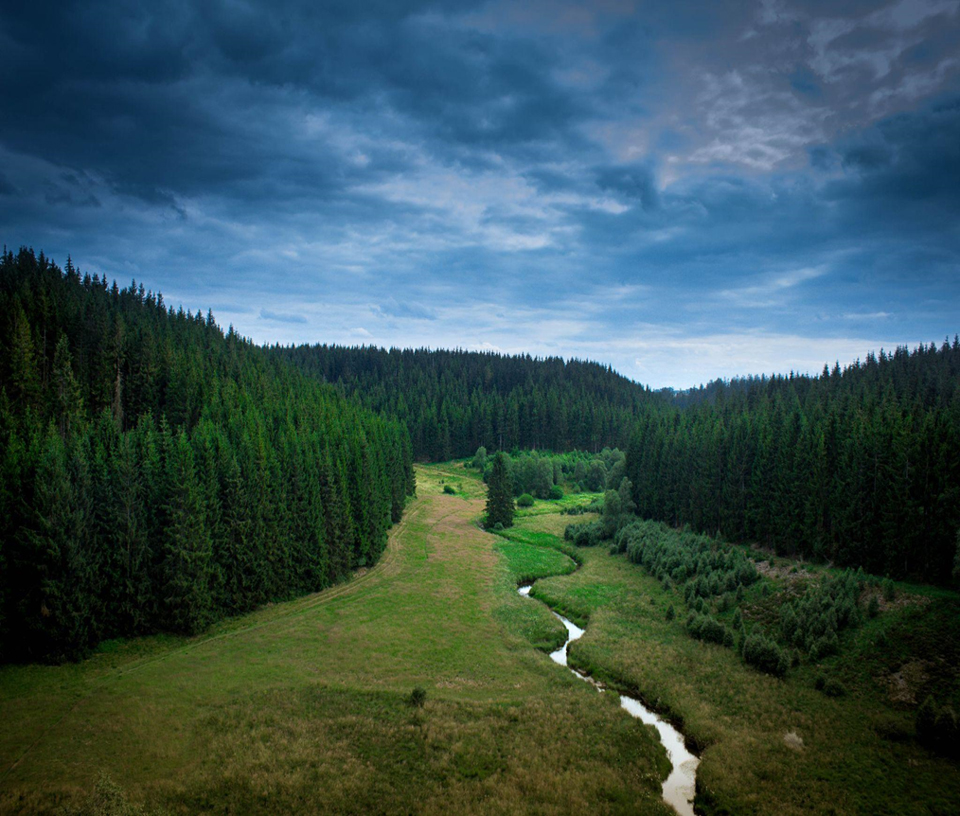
(767,745)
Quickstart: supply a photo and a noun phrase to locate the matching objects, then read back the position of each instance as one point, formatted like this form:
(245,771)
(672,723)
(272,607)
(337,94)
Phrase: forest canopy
(859,466)
(453,402)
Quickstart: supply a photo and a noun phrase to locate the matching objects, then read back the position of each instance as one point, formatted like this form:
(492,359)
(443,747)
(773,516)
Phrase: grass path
(302,706)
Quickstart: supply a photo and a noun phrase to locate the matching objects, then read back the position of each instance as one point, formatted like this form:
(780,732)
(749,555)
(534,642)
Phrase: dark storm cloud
(632,183)
(586,169)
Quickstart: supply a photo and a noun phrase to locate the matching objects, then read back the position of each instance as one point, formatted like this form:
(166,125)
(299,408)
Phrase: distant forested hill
(158,474)
(860,466)
(456,401)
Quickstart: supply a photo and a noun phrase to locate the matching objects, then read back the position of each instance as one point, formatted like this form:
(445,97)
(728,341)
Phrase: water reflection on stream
(678,788)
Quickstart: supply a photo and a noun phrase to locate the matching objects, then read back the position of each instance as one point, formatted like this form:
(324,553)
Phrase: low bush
(706,628)
(584,535)
(834,688)
(418,697)
(763,654)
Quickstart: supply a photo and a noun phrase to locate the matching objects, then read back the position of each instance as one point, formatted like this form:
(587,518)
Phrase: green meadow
(306,706)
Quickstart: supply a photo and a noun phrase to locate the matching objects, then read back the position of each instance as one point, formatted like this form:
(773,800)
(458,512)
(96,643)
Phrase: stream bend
(679,787)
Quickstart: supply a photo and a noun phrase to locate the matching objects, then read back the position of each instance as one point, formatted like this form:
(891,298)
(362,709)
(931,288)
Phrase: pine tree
(500,506)
(186,547)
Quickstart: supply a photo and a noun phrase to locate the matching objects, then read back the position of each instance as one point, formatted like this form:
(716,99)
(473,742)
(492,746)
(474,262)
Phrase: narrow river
(679,786)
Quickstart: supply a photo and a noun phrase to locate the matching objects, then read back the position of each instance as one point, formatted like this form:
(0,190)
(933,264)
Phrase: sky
(684,191)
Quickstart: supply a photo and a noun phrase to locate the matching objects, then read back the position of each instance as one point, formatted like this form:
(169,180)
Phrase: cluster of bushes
(813,621)
(709,629)
(764,654)
(829,686)
(544,475)
(587,534)
(699,563)
(713,578)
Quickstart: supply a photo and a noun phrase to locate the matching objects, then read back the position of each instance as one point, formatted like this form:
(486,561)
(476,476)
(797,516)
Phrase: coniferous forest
(453,402)
(159,474)
(860,467)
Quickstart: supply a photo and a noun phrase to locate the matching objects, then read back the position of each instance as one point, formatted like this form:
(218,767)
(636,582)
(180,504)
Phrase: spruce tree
(500,506)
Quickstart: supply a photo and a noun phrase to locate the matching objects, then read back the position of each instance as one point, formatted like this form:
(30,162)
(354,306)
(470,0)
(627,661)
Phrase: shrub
(417,697)
(834,688)
(889,591)
(873,607)
(449,490)
(556,492)
(765,655)
(526,500)
(705,628)
(498,527)
(891,729)
(671,614)
(584,535)
(825,646)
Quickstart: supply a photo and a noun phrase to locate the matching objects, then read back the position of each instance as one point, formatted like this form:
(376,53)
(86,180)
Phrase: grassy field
(304,707)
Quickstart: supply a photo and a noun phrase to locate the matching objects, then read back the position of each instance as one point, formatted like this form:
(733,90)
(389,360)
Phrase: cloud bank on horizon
(686,192)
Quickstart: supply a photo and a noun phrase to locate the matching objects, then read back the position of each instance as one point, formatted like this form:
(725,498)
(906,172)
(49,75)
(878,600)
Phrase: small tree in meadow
(500,507)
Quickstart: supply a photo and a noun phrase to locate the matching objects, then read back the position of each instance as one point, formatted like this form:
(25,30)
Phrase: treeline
(860,466)
(158,474)
(453,402)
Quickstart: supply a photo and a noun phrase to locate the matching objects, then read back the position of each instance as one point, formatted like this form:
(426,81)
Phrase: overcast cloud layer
(704,190)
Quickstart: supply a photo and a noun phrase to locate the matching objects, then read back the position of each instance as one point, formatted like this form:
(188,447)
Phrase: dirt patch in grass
(792,740)
(904,685)
(782,572)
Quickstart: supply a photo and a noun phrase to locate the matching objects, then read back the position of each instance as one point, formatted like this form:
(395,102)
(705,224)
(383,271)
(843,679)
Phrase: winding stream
(679,786)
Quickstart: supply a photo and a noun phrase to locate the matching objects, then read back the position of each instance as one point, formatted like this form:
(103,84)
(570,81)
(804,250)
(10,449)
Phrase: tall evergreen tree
(500,506)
